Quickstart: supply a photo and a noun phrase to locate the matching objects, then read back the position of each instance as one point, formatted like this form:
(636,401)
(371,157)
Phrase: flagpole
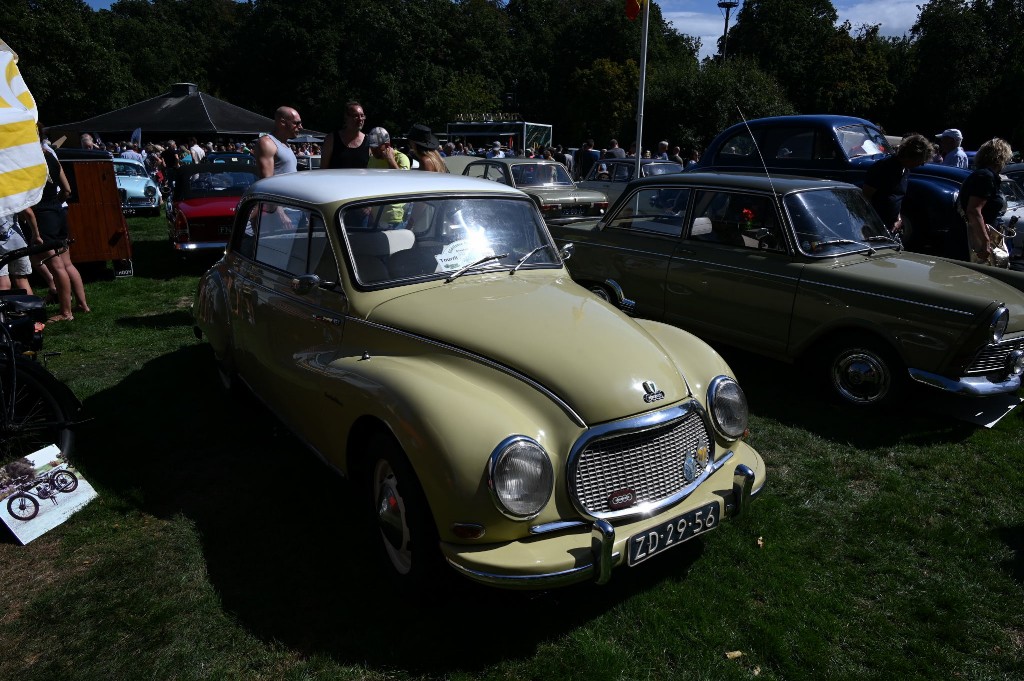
(643,82)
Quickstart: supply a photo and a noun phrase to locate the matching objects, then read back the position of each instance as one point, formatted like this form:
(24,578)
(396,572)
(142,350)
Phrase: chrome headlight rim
(546,481)
(150,191)
(998,325)
(717,389)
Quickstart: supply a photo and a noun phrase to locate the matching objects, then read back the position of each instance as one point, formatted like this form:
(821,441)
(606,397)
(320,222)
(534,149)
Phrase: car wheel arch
(834,350)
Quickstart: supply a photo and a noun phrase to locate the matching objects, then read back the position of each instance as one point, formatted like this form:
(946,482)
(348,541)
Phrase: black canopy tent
(179,114)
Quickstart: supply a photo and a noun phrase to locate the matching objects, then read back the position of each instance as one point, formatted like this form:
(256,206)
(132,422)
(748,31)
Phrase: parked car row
(532,426)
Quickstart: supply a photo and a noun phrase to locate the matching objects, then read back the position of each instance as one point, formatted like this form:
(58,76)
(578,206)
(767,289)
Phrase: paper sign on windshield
(458,254)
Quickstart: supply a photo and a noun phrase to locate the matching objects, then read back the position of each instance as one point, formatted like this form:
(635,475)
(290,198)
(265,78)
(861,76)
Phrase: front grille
(654,464)
(993,357)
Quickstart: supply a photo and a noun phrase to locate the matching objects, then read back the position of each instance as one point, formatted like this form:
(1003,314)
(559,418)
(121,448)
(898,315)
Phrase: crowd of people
(885,185)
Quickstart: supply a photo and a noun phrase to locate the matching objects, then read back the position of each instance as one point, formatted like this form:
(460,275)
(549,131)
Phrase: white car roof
(327,186)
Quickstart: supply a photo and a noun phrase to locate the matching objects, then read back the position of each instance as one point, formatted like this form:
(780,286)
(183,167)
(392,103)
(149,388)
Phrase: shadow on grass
(282,541)
(165,320)
(155,259)
(787,394)
(1013,537)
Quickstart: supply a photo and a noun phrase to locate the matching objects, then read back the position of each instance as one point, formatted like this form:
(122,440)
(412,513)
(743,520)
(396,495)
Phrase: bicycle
(23,505)
(36,409)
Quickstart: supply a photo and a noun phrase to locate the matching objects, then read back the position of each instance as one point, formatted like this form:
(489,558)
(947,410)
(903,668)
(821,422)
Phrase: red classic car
(203,201)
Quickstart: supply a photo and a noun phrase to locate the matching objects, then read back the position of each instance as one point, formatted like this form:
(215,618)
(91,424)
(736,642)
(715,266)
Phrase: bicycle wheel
(38,418)
(64,481)
(22,506)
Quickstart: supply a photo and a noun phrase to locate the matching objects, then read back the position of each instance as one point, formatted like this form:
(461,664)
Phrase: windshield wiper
(481,261)
(526,257)
(833,242)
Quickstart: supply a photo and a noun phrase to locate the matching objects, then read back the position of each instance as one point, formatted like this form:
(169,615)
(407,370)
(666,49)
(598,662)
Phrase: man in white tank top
(273,155)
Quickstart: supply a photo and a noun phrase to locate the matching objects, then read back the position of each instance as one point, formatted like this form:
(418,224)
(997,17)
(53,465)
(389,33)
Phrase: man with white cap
(382,154)
(495,151)
(949,145)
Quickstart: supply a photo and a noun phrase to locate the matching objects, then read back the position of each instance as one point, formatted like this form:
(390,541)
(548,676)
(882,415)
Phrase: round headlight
(521,477)
(150,191)
(728,407)
(1000,320)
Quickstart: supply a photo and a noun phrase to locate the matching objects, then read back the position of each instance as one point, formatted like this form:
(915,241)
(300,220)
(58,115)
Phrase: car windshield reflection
(397,241)
(540,175)
(833,222)
(862,140)
(129,170)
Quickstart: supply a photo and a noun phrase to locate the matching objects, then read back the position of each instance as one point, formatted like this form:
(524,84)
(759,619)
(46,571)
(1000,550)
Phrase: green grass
(884,547)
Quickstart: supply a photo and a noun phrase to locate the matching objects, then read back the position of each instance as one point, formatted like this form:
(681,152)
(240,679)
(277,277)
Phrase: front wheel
(22,506)
(64,481)
(863,372)
(36,416)
(404,528)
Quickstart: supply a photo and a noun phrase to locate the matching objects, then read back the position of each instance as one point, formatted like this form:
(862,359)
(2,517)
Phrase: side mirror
(304,283)
(701,226)
(566,251)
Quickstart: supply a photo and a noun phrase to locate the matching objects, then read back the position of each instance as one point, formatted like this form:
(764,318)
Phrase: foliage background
(571,63)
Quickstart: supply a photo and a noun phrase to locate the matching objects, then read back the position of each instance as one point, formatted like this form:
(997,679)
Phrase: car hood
(137,184)
(930,281)
(213,206)
(582,349)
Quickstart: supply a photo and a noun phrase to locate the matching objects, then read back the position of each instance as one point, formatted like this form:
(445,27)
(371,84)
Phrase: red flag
(633,9)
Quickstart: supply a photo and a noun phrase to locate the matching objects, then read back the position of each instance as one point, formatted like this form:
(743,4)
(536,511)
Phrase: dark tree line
(571,63)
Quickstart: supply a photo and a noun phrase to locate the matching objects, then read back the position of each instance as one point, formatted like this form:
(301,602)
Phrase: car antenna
(759,155)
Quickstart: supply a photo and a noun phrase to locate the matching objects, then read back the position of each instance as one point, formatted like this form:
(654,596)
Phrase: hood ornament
(651,392)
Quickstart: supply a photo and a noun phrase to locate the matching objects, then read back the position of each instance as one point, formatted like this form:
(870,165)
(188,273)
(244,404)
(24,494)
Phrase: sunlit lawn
(885,547)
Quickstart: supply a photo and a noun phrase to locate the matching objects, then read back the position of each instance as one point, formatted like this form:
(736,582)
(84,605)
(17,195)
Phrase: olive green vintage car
(546,182)
(800,269)
(419,332)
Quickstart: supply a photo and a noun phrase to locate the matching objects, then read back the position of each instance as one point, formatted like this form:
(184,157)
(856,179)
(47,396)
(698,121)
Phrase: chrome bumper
(199,245)
(974,386)
(602,542)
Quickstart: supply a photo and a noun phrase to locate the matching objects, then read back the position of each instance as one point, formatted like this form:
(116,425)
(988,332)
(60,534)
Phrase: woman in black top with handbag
(981,201)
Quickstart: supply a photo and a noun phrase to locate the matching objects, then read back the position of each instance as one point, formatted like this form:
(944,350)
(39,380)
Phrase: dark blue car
(843,148)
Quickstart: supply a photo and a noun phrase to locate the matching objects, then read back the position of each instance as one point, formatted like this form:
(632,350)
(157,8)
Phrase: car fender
(448,413)
(211,313)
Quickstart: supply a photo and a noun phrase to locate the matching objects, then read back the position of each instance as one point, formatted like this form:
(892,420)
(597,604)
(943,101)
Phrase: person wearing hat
(953,154)
(495,151)
(423,144)
(382,154)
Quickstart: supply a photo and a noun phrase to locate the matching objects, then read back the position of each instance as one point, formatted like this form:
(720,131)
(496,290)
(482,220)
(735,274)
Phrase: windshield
(540,175)
(862,140)
(221,183)
(1011,190)
(831,222)
(436,237)
(129,170)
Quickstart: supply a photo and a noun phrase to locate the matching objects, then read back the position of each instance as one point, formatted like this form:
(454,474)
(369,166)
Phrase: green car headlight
(1000,320)
(521,477)
(728,407)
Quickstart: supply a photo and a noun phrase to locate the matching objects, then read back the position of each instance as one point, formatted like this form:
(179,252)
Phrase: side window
(623,172)
(738,149)
(283,238)
(744,220)
(796,144)
(322,262)
(498,173)
(244,241)
(659,211)
(477,170)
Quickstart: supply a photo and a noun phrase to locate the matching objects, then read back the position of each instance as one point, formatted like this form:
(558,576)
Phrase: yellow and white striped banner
(22,166)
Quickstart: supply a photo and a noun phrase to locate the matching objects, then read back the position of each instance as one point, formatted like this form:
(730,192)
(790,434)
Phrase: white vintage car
(420,333)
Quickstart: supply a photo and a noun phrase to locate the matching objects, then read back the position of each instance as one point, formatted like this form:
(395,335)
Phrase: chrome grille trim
(992,358)
(645,454)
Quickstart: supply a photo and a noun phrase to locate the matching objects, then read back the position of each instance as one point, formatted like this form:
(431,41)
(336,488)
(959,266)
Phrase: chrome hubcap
(861,376)
(391,519)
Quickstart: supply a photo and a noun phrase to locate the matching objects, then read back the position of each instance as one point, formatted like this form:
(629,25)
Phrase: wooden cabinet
(95,219)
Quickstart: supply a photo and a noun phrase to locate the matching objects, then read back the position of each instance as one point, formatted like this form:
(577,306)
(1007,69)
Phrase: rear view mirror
(701,226)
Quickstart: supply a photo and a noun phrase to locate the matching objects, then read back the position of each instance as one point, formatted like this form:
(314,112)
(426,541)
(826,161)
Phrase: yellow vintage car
(420,333)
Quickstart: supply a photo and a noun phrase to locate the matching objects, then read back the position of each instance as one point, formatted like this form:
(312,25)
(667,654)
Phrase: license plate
(572,211)
(672,532)
(224,229)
